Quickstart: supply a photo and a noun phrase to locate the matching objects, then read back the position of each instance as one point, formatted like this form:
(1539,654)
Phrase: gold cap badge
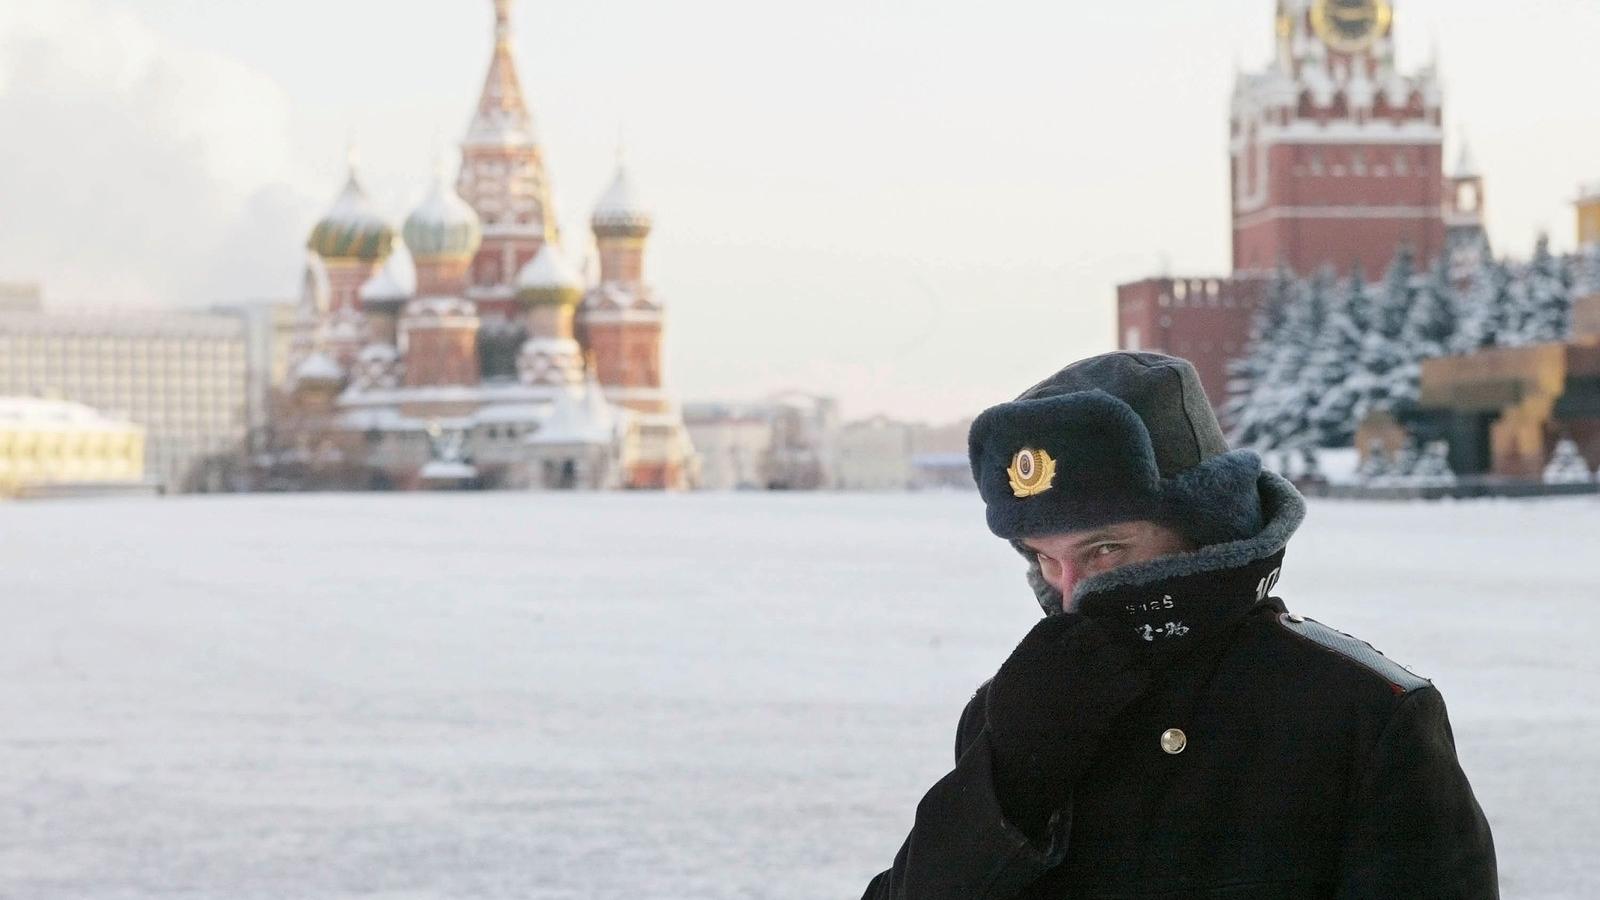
(1032,472)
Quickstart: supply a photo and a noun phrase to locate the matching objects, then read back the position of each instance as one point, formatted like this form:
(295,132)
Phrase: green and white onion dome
(620,212)
(547,278)
(443,226)
(352,229)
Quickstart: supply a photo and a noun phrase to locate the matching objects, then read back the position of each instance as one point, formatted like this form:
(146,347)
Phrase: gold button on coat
(1173,740)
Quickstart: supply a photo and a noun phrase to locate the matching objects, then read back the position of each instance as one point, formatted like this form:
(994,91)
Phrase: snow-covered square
(649,696)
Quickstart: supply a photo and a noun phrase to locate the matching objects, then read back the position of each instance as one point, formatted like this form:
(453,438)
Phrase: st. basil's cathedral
(466,347)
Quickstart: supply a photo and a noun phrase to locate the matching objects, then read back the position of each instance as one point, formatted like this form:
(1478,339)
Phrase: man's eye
(1107,549)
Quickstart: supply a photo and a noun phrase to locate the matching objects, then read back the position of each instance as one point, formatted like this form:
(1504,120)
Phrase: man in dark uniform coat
(1170,729)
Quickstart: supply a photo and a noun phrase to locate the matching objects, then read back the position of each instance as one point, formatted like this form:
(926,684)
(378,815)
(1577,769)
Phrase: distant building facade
(731,442)
(1336,162)
(49,446)
(875,455)
(181,376)
(20,296)
(795,441)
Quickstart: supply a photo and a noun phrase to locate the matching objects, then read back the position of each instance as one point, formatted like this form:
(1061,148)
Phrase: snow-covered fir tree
(1324,354)
(1287,400)
(1434,316)
(1567,465)
(1489,309)
(1547,293)
(1374,464)
(1383,348)
(1248,385)
(1432,320)
(1433,466)
(1402,468)
(1331,382)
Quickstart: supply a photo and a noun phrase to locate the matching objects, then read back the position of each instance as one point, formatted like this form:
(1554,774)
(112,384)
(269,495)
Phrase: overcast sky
(919,207)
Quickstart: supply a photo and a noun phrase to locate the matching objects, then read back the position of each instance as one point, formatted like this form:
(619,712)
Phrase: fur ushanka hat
(1114,438)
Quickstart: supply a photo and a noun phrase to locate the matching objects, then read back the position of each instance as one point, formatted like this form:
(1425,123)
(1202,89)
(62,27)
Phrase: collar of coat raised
(1173,614)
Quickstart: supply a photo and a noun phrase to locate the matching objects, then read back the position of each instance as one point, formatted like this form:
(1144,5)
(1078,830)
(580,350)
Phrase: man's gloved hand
(1048,707)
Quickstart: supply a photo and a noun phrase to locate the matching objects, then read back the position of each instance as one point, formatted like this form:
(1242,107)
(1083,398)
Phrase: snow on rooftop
(580,415)
(34,413)
(548,270)
(396,280)
(621,204)
(318,366)
(353,208)
(447,470)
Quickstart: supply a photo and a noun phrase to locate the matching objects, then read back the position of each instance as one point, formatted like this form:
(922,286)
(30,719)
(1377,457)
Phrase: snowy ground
(638,696)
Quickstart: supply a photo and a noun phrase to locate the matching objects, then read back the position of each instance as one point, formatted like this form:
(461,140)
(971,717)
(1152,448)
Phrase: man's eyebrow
(1097,535)
(1110,532)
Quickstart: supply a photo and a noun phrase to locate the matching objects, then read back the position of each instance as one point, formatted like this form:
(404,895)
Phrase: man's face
(1068,558)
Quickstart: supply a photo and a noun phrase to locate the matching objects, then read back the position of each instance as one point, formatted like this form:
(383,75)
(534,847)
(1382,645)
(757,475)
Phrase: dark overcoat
(1311,766)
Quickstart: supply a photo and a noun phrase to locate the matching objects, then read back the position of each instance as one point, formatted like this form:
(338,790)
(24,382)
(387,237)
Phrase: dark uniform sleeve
(961,847)
(1416,831)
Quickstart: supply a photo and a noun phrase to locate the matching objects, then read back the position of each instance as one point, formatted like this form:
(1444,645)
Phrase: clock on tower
(1351,26)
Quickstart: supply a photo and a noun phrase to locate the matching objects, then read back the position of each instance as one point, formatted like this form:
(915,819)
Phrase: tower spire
(502,20)
(502,118)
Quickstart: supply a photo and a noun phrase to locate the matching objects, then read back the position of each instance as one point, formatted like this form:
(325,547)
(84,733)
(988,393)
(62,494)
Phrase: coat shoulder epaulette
(1401,679)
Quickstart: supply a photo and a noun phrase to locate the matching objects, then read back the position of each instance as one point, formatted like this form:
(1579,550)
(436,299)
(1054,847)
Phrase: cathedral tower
(620,325)
(621,320)
(503,179)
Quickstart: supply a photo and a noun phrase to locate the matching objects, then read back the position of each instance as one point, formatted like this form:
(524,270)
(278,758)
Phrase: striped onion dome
(352,229)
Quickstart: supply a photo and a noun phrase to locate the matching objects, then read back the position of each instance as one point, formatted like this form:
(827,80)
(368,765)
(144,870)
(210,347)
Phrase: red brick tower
(503,179)
(1335,161)
(1336,155)
(439,338)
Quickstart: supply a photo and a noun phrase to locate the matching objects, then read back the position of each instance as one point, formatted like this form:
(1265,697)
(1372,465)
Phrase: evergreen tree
(1248,387)
(1332,385)
(1432,321)
(1434,317)
(1548,292)
(1287,403)
(1379,367)
(1519,311)
(1489,317)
